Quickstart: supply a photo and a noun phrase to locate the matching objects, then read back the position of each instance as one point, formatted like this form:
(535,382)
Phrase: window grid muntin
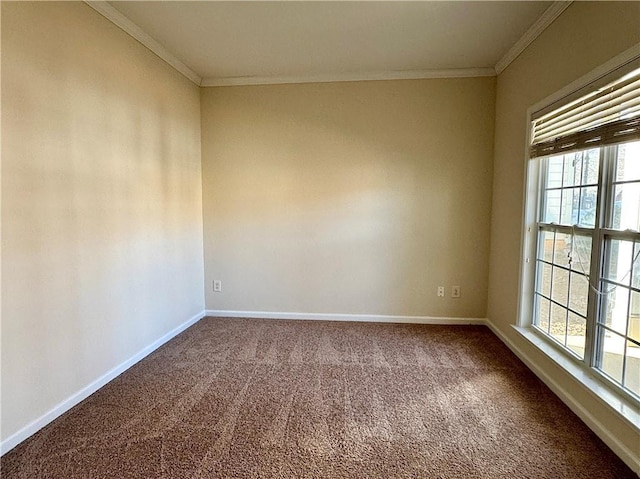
(609,286)
(630,339)
(613,162)
(621,285)
(567,350)
(578,181)
(578,185)
(558,327)
(600,233)
(570,310)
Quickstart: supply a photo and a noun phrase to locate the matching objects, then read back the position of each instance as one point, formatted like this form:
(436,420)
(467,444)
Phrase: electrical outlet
(217,286)
(441,291)
(455,291)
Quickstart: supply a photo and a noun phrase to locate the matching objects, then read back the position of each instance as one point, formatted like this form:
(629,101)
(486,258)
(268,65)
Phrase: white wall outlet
(217,286)
(441,291)
(455,291)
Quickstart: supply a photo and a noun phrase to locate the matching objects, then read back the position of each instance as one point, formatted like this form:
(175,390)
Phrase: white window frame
(594,380)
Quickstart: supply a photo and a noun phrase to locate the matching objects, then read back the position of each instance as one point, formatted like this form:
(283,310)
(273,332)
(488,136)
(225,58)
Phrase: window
(583,294)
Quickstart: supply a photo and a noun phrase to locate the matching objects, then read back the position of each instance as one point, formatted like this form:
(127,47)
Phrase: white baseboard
(373,318)
(34,426)
(608,436)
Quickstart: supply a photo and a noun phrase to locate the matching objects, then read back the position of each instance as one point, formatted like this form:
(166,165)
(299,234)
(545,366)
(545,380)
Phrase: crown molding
(349,77)
(117,18)
(546,19)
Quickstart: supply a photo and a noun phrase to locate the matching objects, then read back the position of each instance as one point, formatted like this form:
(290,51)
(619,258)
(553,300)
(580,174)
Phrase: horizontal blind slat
(587,116)
(607,116)
(628,110)
(622,88)
(616,132)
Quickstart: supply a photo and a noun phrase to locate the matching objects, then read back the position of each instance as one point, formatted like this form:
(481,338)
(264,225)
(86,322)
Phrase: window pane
(544,279)
(570,205)
(561,249)
(579,293)
(572,173)
(560,288)
(616,304)
(634,317)
(636,266)
(628,164)
(632,372)
(571,188)
(546,245)
(570,194)
(554,172)
(581,254)
(543,313)
(612,355)
(626,207)
(551,213)
(558,327)
(591,166)
(576,328)
(619,261)
(587,207)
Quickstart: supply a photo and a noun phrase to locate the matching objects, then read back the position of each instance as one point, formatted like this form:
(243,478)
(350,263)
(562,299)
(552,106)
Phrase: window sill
(600,390)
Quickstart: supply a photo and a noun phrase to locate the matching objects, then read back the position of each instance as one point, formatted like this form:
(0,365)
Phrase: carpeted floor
(234,398)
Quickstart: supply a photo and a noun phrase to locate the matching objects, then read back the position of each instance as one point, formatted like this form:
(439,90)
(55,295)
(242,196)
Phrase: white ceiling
(227,40)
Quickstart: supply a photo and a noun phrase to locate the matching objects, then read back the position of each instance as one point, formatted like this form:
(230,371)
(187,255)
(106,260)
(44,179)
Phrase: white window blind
(608,115)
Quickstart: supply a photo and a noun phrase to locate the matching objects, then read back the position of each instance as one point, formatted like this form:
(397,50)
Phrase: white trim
(113,15)
(34,426)
(546,19)
(603,394)
(607,435)
(600,429)
(117,18)
(526,268)
(531,187)
(373,318)
(348,77)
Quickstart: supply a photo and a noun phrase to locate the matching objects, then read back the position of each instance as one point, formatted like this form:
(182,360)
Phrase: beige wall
(329,198)
(585,36)
(353,198)
(101,198)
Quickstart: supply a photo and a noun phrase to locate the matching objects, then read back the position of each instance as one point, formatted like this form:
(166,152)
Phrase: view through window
(586,291)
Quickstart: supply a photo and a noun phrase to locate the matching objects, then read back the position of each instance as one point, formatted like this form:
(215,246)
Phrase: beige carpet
(282,399)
